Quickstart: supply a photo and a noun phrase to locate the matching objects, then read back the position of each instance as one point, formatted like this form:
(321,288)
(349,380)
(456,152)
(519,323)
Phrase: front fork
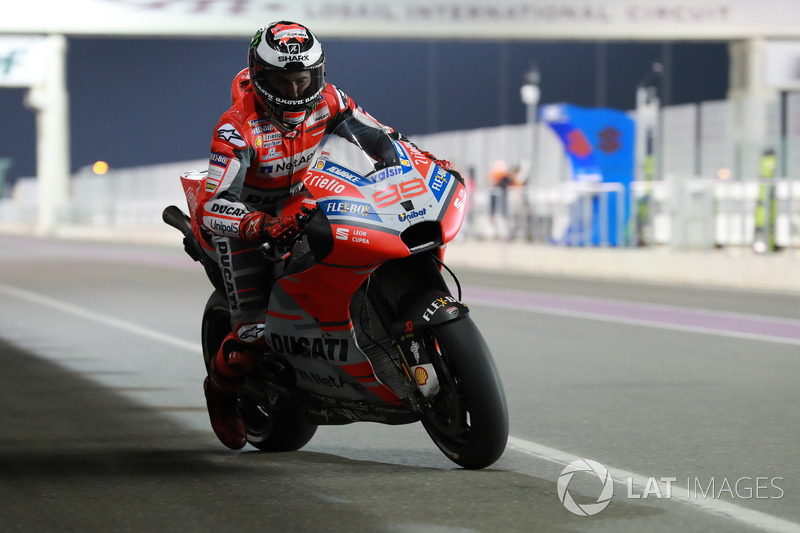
(412,313)
(414,354)
(430,309)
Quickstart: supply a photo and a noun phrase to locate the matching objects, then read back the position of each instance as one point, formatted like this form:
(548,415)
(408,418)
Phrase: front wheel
(468,418)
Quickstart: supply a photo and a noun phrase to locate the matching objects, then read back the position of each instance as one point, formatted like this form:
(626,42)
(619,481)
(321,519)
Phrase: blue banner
(599,143)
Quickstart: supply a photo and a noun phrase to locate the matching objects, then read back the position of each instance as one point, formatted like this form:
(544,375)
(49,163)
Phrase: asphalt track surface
(104,425)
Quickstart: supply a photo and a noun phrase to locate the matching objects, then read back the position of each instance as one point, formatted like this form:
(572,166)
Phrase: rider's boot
(226,376)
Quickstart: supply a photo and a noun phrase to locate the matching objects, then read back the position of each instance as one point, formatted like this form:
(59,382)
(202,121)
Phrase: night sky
(144,101)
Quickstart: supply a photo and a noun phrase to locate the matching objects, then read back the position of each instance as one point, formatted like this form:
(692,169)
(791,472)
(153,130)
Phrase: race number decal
(394,193)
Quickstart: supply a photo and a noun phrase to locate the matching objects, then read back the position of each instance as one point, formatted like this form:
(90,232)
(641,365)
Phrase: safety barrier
(682,212)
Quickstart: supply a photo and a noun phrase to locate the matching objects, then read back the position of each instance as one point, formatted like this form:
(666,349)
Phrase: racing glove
(259,226)
(445,164)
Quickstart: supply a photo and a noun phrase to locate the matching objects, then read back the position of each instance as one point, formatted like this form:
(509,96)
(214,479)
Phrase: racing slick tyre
(274,425)
(468,418)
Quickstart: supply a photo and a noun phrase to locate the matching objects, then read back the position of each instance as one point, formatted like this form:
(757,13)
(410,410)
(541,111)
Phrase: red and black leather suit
(253,168)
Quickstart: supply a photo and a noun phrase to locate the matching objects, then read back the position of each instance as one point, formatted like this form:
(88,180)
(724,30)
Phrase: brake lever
(305,214)
(282,252)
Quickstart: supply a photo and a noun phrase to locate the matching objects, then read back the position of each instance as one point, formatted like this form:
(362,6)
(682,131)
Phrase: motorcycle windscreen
(361,146)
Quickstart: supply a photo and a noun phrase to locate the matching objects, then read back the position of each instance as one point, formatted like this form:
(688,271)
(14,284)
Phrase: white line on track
(102,319)
(709,505)
(532,308)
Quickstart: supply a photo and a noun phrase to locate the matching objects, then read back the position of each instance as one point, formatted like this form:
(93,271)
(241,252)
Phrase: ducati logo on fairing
(311,347)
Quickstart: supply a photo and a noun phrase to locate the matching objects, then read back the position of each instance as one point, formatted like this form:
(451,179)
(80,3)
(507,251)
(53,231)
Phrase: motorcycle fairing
(323,349)
(347,412)
(372,216)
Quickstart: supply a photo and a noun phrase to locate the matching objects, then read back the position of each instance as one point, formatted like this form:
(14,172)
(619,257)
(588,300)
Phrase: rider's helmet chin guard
(280,48)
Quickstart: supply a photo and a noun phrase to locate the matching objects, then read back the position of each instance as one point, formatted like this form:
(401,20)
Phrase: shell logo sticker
(421,375)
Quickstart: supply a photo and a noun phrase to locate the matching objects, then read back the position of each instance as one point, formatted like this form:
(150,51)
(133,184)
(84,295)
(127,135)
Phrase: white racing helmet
(276,51)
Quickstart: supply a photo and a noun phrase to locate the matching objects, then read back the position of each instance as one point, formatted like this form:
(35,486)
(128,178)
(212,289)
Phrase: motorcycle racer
(281,109)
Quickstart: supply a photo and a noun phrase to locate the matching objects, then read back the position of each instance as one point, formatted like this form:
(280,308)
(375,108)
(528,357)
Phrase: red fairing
(326,301)
(193,184)
(295,203)
(421,161)
(240,85)
(454,216)
(371,246)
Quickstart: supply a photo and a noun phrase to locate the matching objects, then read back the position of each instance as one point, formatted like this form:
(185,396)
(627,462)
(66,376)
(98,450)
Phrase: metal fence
(682,213)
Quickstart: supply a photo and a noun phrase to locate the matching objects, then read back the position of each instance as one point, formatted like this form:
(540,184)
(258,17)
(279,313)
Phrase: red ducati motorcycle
(361,324)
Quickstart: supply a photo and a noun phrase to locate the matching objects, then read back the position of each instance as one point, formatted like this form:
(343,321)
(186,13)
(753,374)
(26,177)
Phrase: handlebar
(304,216)
(282,251)
(173,216)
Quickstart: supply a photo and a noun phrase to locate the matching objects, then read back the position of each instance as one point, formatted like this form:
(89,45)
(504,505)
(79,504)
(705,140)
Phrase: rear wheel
(468,418)
(276,424)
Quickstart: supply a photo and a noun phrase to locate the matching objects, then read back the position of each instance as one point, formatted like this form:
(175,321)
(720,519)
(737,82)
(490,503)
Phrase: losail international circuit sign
(423,19)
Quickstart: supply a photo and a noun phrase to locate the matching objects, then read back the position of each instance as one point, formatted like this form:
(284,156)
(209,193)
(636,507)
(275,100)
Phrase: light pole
(529,92)
(647,107)
(5,164)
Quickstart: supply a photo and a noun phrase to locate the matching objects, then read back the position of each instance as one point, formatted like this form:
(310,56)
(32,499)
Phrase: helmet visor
(289,88)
